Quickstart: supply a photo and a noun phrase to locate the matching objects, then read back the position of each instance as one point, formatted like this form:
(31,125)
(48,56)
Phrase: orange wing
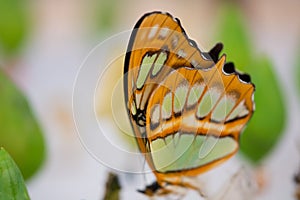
(159,39)
(217,103)
(172,88)
(157,45)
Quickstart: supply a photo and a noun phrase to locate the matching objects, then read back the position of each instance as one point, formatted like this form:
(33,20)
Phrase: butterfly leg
(187,183)
(193,184)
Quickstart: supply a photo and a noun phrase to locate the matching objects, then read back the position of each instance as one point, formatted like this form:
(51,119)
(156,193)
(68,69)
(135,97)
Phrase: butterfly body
(186,107)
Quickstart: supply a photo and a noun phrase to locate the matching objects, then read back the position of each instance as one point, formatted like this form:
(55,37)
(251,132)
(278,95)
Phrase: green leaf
(233,34)
(105,15)
(266,125)
(11,180)
(14,24)
(20,133)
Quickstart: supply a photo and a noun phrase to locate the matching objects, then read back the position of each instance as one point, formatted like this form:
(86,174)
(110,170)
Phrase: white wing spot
(153,31)
(239,111)
(175,40)
(155,114)
(252,99)
(181,53)
(195,64)
(244,112)
(163,33)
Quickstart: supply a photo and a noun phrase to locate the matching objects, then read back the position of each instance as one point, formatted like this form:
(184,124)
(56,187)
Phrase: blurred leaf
(233,34)
(113,187)
(105,14)
(265,127)
(11,180)
(14,22)
(20,133)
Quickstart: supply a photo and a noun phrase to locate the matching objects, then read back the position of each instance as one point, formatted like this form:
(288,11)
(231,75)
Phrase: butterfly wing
(158,44)
(182,105)
(194,118)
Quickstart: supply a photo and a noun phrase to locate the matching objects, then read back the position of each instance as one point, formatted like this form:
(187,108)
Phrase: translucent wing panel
(182,151)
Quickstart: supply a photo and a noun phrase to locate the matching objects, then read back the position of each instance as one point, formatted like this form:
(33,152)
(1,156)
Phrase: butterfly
(186,107)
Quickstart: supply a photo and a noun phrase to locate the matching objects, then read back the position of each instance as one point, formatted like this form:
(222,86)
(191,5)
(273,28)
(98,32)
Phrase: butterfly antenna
(236,186)
(144,169)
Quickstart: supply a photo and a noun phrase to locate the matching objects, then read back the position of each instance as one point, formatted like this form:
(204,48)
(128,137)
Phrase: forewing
(157,45)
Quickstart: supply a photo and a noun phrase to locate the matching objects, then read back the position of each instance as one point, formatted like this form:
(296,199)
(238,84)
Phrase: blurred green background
(43,43)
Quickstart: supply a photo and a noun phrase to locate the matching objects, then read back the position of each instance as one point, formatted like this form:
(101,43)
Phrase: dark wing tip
(245,78)
(229,68)
(215,52)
